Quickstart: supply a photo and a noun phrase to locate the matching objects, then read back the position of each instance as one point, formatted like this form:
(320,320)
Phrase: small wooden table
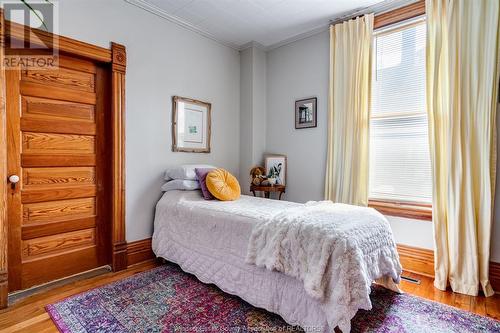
(268,189)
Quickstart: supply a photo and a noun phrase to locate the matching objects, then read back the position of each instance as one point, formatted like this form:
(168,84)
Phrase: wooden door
(58,212)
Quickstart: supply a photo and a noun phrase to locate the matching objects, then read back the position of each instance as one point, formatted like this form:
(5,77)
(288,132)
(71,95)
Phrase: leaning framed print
(191,125)
(306,113)
(276,168)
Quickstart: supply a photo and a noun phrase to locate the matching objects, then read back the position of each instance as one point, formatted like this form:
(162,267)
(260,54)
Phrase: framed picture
(306,113)
(276,168)
(191,125)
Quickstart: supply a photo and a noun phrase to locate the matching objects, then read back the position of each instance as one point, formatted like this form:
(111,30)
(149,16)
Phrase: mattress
(209,239)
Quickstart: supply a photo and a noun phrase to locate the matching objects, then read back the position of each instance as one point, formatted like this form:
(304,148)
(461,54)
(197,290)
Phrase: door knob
(14,179)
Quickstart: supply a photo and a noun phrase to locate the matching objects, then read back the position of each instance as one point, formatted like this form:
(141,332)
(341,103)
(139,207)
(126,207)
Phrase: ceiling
(269,23)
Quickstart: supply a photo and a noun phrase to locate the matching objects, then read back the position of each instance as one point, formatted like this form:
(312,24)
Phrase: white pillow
(185,171)
(181,184)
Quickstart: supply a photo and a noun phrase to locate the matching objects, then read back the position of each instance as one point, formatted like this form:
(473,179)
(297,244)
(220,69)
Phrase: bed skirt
(272,291)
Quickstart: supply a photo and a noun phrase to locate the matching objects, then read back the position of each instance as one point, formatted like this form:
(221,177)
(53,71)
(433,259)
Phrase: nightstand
(268,189)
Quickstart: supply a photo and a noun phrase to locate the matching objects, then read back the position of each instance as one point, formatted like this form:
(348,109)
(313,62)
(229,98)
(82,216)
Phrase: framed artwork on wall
(191,125)
(306,113)
(276,168)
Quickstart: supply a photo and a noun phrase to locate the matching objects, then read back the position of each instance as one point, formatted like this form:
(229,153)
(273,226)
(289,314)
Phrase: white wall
(296,71)
(300,69)
(253,90)
(259,104)
(163,60)
(246,116)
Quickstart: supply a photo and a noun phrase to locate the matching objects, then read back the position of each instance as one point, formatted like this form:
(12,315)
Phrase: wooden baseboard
(416,260)
(119,256)
(4,289)
(495,276)
(421,261)
(139,251)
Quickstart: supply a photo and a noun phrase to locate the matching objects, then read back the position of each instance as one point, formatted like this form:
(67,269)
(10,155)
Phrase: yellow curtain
(349,111)
(462,83)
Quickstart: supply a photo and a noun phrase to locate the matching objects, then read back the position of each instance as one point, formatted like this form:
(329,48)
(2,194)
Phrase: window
(400,168)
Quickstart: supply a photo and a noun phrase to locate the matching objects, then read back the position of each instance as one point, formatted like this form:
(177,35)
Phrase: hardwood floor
(485,306)
(28,315)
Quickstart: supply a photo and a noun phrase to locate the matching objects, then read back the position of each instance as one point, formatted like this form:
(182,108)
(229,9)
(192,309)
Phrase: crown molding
(378,8)
(145,5)
(254,44)
(296,38)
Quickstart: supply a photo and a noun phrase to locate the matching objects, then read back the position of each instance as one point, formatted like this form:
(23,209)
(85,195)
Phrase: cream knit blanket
(320,239)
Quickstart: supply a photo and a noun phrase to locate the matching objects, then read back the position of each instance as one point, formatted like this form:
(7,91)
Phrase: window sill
(409,210)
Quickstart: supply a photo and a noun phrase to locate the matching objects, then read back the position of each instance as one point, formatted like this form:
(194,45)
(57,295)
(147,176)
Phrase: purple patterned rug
(166,299)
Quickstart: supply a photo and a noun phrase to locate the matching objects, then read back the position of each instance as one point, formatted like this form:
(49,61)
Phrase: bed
(210,239)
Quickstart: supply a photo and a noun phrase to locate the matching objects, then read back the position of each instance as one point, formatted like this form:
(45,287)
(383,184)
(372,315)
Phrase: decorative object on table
(306,113)
(276,168)
(265,182)
(258,175)
(223,185)
(191,125)
(267,189)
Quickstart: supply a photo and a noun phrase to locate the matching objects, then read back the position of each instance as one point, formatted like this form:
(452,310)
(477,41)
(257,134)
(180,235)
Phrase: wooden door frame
(116,58)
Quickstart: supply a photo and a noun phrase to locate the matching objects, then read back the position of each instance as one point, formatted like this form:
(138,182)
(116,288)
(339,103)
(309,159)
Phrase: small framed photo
(276,168)
(306,113)
(191,125)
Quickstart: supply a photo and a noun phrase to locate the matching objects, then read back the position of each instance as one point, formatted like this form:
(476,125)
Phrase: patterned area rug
(166,299)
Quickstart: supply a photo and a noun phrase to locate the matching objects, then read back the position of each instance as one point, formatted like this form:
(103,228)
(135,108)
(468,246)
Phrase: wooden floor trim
(416,260)
(495,276)
(21,294)
(421,261)
(139,251)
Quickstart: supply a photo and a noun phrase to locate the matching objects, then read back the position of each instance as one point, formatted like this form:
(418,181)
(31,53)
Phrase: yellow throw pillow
(223,185)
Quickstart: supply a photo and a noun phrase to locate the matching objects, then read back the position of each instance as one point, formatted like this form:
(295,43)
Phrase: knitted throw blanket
(322,243)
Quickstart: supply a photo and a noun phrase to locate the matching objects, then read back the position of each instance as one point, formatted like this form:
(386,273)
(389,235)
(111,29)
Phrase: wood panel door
(58,211)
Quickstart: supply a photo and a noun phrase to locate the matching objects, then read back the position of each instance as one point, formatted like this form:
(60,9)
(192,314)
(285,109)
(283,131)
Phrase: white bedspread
(301,241)
(210,239)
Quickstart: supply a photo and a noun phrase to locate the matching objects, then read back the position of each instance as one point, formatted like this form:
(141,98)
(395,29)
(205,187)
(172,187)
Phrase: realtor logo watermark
(32,41)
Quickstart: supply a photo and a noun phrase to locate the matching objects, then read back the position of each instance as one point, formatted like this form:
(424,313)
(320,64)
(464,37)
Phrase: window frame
(413,210)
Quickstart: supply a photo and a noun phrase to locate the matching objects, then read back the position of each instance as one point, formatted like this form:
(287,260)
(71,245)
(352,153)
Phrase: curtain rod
(379,8)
